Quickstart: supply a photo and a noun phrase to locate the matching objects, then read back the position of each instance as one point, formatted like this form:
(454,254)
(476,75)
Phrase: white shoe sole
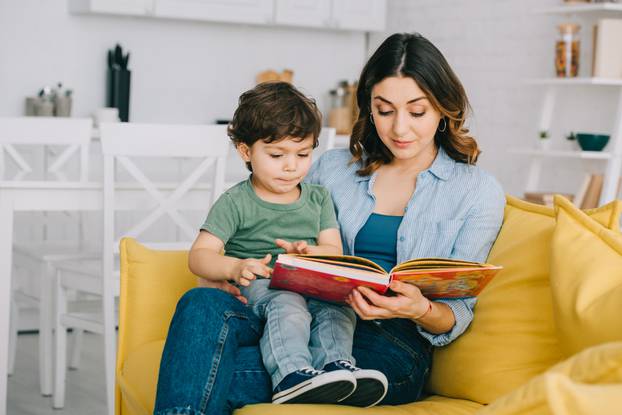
(371,388)
(330,387)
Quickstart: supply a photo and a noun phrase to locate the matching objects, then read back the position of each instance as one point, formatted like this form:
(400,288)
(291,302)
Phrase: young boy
(306,344)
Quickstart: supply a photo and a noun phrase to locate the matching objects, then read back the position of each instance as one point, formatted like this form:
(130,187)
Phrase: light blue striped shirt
(455,211)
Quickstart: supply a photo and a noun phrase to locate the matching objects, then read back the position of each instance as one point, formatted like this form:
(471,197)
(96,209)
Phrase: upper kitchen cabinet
(364,15)
(126,7)
(310,13)
(235,11)
(356,15)
(367,15)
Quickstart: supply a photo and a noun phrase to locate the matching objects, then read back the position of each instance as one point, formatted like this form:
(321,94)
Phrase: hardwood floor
(85,393)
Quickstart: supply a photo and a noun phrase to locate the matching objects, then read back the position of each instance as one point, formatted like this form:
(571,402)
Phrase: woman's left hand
(408,303)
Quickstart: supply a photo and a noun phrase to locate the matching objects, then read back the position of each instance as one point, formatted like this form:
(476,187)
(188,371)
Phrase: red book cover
(317,284)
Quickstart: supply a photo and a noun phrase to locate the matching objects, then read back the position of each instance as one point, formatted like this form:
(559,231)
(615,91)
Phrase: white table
(62,196)
(23,197)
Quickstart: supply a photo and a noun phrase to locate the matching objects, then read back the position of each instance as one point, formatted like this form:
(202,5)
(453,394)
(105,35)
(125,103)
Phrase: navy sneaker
(371,385)
(314,386)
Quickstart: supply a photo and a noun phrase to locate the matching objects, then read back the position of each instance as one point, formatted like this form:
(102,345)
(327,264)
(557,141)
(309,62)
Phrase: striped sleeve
(482,224)
(463,313)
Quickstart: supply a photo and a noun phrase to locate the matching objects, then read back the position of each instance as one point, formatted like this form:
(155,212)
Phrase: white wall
(193,72)
(493,45)
(181,71)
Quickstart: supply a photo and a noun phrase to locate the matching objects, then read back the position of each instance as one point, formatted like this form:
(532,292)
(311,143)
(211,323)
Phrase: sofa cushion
(587,383)
(139,375)
(586,280)
(434,405)
(138,378)
(512,337)
(151,283)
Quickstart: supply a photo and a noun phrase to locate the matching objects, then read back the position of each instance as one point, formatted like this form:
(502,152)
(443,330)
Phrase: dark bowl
(592,142)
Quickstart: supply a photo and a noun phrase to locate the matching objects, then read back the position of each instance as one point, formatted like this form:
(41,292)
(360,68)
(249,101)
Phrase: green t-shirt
(248,225)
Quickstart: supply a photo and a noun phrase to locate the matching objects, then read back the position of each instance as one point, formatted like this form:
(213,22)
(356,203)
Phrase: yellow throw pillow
(512,337)
(586,280)
(587,383)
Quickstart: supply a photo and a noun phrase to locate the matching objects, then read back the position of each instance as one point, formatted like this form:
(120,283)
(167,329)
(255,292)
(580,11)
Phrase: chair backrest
(123,144)
(326,140)
(74,134)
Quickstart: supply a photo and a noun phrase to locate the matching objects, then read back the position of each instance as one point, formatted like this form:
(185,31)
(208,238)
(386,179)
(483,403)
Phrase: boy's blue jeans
(299,332)
(212,363)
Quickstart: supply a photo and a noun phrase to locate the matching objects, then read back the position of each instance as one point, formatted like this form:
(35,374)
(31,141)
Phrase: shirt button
(401,239)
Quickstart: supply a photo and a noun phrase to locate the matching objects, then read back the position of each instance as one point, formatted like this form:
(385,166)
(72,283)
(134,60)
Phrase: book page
(345,261)
(437,263)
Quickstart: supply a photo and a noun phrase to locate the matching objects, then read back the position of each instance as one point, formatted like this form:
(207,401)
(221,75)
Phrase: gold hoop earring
(444,125)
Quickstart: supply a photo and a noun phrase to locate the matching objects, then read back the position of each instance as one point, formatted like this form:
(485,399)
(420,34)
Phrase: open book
(332,278)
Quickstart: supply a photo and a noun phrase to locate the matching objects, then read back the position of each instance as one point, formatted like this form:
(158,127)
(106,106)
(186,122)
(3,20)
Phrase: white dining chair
(21,137)
(124,146)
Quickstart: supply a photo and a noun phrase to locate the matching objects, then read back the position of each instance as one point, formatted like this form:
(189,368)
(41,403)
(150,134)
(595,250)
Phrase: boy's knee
(293,302)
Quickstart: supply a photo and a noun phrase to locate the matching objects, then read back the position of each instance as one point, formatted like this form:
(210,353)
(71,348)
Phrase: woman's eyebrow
(389,102)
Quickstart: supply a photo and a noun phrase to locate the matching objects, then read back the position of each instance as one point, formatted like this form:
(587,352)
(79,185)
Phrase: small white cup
(103,115)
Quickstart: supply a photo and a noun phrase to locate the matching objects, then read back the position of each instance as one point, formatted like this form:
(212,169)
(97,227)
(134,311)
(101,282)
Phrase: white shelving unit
(613,156)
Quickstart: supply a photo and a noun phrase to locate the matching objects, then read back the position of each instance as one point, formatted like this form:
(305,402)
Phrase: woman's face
(404,118)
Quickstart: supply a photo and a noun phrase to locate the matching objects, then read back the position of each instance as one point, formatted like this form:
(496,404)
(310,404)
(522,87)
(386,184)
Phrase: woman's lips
(402,144)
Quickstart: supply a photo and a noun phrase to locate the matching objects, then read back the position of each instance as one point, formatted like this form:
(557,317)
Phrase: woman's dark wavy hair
(412,55)
(273,111)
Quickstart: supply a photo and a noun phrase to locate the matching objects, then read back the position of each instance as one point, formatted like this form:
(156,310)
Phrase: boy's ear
(244,151)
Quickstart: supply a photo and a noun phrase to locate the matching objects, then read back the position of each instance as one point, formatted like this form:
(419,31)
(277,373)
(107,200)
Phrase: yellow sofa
(546,336)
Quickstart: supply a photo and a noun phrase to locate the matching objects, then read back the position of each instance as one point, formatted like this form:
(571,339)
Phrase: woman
(407,188)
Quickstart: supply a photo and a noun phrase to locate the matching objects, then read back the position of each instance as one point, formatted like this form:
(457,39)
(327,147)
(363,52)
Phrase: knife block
(118,92)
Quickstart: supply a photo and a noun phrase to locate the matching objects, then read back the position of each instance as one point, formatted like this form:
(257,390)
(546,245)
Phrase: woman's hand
(224,286)
(246,270)
(409,302)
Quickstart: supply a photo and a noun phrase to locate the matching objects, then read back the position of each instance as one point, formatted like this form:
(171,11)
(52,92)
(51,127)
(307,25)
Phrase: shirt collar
(442,167)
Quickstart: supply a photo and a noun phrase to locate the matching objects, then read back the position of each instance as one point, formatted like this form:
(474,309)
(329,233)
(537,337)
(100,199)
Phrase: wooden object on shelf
(580,195)
(607,53)
(544,198)
(271,76)
(592,194)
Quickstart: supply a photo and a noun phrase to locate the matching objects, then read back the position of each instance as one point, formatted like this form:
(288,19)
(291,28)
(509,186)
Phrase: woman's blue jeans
(212,364)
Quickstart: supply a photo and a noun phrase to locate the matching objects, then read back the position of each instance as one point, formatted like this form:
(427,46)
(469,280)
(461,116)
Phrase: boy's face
(278,167)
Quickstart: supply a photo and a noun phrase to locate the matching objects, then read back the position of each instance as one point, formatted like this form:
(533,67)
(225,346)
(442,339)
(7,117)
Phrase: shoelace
(348,365)
(311,371)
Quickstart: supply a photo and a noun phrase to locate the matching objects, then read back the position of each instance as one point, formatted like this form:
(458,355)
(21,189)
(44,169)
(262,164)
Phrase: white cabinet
(364,15)
(355,15)
(368,15)
(125,7)
(310,13)
(235,11)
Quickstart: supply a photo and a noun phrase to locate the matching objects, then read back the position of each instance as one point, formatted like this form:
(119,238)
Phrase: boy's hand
(246,270)
(224,286)
(296,247)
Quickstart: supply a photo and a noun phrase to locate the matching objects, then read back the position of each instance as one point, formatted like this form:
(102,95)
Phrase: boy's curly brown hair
(273,111)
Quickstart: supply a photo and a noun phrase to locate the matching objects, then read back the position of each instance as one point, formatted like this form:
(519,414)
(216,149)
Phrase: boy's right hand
(247,269)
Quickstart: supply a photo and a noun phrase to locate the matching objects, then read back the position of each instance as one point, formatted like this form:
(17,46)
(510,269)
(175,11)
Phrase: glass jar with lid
(567,50)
